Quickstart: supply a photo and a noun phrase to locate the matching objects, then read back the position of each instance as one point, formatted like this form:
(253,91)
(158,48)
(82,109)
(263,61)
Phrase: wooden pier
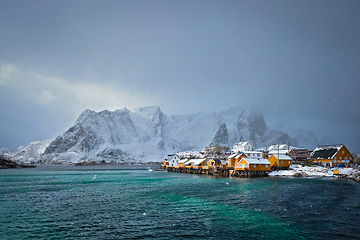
(221,172)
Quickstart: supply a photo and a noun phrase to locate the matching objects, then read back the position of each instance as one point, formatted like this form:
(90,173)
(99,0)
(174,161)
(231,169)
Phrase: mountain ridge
(147,134)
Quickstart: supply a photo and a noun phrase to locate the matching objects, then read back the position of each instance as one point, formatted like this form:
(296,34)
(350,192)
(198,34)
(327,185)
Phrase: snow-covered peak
(87,113)
(146,133)
(31,152)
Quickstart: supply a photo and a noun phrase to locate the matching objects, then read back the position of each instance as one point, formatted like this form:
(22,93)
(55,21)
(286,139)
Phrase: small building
(254,154)
(280,161)
(275,152)
(196,163)
(233,159)
(241,147)
(332,155)
(214,162)
(182,163)
(300,154)
(253,164)
(173,160)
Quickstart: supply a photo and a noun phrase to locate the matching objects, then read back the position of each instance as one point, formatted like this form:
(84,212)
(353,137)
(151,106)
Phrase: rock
(297,175)
(6,163)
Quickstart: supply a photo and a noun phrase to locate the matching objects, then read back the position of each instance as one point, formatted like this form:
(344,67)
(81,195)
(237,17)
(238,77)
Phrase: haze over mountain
(147,134)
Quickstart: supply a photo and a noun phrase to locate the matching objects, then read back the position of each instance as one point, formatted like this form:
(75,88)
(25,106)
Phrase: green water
(69,203)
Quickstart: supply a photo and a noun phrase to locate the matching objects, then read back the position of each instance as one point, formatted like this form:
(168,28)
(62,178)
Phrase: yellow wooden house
(280,161)
(332,155)
(233,160)
(253,164)
(214,163)
(196,163)
(182,163)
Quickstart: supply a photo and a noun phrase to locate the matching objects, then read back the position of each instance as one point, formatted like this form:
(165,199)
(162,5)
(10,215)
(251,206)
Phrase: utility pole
(278,157)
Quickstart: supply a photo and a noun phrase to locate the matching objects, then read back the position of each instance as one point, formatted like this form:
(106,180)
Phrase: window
(282,162)
(254,166)
(345,158)
(266,165)
(335,158)
(342,152)
(350,158)
(289,162)
(340,158)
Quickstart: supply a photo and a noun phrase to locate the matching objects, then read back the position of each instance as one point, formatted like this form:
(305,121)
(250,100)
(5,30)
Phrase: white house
(253,154)
(242,146)
(173,160)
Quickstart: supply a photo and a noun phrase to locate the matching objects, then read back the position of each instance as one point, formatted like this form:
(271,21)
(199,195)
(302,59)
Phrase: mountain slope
(147,134)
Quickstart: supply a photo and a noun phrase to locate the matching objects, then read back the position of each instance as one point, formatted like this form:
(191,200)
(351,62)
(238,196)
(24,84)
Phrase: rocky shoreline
(318,171)
(7,163)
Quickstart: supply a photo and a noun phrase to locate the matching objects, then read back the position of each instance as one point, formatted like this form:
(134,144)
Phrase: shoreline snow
(317,171)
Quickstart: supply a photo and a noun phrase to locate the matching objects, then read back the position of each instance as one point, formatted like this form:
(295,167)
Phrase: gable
(174,158)
(343,152)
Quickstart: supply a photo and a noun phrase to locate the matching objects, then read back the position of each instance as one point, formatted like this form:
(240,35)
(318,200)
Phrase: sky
(295,61)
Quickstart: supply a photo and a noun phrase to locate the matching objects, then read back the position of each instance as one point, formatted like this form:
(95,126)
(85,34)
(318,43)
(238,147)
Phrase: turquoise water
(67,203)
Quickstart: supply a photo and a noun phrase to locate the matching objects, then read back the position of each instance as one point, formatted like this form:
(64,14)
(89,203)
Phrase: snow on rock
(147,134)
(317,171)
(30,153)
(190,154)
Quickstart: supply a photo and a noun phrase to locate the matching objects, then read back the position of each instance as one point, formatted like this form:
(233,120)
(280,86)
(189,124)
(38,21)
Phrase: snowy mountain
(147,134)
(30,153)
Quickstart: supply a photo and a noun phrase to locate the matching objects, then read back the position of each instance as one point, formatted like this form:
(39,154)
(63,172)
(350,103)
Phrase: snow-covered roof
(240,154)
(198,161)
(257,161)
(190,161)
(275,147)
(326,151)
(282,157)
(232,155)
(242,144)
(275,152)
(183,160)
(247,153)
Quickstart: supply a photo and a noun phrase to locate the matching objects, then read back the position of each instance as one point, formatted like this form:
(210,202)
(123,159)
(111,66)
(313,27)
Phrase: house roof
(174,156)
(281,152)
(216,160)
(257,161)
(233,155)
(240,155)
(242,143)
(282,157)
(252,153)
(326,151)
(183,160)
(196,161)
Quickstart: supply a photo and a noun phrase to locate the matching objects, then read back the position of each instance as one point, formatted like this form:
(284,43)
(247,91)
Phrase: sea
(131,202)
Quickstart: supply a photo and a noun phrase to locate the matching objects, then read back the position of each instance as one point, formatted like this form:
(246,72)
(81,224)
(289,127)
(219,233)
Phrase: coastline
(318,171)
